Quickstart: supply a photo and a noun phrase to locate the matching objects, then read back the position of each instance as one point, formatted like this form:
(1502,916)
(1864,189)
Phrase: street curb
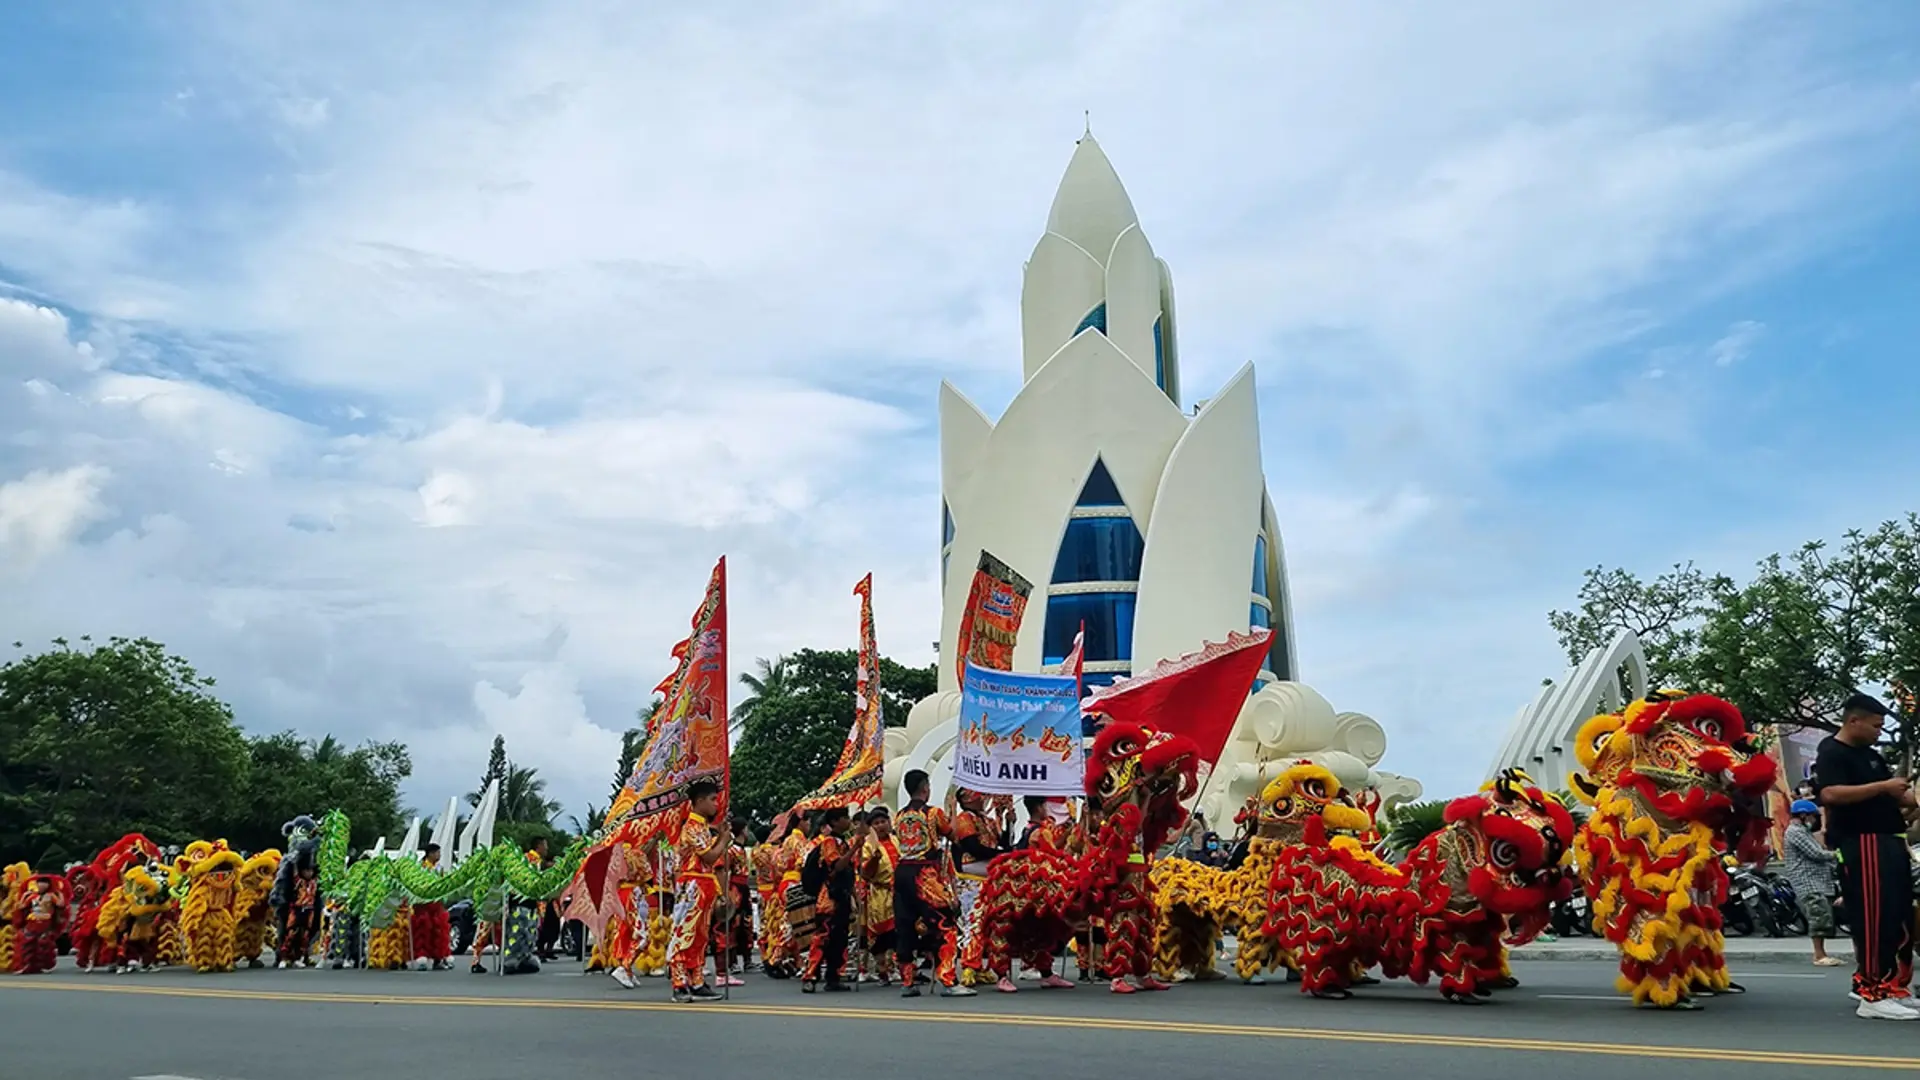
(1604,951)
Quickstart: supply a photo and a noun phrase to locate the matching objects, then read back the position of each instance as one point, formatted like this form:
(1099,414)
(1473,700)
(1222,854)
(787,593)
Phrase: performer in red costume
(701,849)
(925,913)
(41,916)
(432,936)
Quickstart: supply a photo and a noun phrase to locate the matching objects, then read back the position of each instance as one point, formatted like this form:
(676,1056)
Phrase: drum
(803,917)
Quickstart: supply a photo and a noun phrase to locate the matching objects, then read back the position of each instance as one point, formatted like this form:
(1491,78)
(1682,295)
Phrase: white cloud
(439,428)
(43,510)
(1739,340)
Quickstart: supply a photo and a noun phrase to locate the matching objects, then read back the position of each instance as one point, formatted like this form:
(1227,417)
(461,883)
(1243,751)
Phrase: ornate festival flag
(855,779)
(687,737)
(990,622)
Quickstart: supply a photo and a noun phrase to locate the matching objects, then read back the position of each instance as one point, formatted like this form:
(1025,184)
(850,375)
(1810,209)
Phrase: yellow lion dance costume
(251,910)
(1198,904)
(13,890)
(1671,780)
(206,916)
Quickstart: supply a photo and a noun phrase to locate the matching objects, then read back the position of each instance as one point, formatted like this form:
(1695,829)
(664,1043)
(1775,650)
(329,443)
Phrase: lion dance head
(1511,841)
(1153,772)
(1675,781)
(1306,803)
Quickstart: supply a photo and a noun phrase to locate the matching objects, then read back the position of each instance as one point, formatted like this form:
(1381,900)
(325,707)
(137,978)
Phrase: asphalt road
(324,1025)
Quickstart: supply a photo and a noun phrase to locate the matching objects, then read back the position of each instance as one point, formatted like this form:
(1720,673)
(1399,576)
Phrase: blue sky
(406,370)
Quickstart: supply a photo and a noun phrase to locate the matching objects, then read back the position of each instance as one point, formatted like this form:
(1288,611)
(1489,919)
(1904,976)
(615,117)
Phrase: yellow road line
(1105,1023)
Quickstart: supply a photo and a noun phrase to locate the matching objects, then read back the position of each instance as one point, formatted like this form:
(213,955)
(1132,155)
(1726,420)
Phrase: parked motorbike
(1573,916)
(1745,911)
(1784,905)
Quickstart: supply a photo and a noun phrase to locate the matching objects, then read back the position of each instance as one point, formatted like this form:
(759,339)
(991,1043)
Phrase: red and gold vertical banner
(990,623)
(687,736)
(855,779)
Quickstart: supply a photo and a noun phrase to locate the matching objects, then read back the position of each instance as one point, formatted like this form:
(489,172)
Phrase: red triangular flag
(1199,695)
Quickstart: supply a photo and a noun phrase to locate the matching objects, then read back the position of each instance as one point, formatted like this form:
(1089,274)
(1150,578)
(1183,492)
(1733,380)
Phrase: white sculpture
(1148,526)
(1540,740)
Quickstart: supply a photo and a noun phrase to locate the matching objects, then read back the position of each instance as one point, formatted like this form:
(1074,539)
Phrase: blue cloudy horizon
(406,369)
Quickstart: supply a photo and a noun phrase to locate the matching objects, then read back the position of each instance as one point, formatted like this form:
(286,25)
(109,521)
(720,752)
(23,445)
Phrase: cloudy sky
(406,366)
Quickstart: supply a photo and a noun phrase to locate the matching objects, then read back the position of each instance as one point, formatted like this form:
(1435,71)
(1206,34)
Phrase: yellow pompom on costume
(251,911)
(206,917)
(1670,780)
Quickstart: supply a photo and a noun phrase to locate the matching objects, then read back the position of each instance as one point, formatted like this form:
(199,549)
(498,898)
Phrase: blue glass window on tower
(1259,564)
(1097,318)
(1108,618)
(1159,357)
(946,524)
(1259,618)
(1099,549)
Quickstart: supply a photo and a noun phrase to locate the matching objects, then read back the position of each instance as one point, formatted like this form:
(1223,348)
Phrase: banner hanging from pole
(687,737)
(990,623)
(1019,734)
(855,779)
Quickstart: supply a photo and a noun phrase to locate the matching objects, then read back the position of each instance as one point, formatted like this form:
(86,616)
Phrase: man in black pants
(1867,822)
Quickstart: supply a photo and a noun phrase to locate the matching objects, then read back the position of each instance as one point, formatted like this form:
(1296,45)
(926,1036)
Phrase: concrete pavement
(321,1025)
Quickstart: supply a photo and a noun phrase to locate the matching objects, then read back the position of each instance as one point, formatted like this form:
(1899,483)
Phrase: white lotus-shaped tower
(1149,525)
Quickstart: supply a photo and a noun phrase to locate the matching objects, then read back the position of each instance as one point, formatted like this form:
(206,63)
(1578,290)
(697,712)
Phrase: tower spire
(1088,133)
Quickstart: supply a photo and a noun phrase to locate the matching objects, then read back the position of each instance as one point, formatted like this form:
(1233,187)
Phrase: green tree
(290,776)
(1664,613)
(102,740)
(1790,643)
(496,767)
(789,741)
(768,682)
(523,797)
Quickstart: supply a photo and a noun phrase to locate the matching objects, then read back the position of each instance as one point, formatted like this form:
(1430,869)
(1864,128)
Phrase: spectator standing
(1810,868)
(1866,823)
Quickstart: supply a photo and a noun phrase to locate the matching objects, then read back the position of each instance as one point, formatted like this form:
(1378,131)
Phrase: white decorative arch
(1540,739)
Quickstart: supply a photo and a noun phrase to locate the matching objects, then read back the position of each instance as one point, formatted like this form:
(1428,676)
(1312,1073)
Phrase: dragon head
(1306,802)
(1512,840)
(83,883)
(215,870)
(13,883)
(1687,757)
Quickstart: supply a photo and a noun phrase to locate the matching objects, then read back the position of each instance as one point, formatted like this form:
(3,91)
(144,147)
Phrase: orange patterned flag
(688,733)
(990,622)
(855,779)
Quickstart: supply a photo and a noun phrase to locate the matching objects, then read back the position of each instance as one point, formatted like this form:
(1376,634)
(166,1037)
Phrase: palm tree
(523,797)
(596,817)
(768,682)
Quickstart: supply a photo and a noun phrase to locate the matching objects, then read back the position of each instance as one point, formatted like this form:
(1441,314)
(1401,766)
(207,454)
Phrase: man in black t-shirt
(1867,810)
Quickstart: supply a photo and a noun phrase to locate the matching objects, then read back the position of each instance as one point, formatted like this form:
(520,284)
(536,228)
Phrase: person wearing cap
(1810,868)
(1867,808)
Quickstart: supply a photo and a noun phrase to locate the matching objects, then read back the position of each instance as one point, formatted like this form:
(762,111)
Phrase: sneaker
(958,991)
(682,997)
(1055,982)
(704,994)
(1006,986)
(912,991)
(1885,1009)
(624,978)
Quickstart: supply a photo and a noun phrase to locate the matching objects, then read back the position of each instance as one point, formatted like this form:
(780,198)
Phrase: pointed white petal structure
(480,823)
(379,847)
(1151,527)
(411,843)
(1541,737)
(443,829)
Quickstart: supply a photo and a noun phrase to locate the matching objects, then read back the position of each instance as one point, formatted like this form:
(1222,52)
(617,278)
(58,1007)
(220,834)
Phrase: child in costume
(701,851)
(302,919)
(42,914)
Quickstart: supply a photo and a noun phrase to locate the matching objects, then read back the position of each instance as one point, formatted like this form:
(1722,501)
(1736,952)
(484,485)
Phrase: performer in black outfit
(1867,808)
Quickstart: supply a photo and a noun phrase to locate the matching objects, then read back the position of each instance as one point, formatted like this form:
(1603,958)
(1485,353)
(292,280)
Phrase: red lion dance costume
(1490,874)
(1036,898)
(1674,782)
(41,916)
